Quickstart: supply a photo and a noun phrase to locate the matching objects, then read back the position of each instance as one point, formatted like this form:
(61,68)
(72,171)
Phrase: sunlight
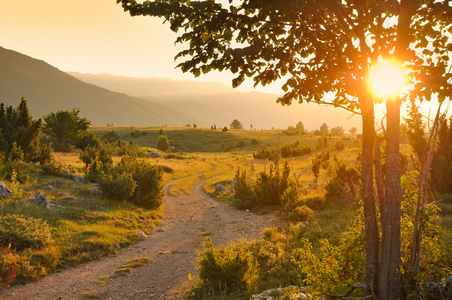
(387,79)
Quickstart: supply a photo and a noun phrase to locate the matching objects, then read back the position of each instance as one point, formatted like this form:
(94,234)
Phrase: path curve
(172,248)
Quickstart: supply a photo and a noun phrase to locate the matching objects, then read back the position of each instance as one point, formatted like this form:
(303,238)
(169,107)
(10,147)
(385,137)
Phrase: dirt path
(172,249)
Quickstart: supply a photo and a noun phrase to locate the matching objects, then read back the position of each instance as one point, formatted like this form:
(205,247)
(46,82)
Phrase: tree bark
(388,281)
(370,216)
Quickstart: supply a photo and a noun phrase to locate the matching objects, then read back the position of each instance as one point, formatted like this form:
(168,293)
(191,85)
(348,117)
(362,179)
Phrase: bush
(53,168)
(226,269)
(8,267)
(22,233)
(339,145)
(136,181)
(118,187)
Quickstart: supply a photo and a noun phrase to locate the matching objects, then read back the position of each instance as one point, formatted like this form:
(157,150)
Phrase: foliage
(292,149)
(415,131)
(65,128)
(353,130)
(324,130)
(338,130)
(163,142)
(322,143)
(225,129)
(268,189)
(345,182)
(320,160)
(235,124)
(117,187)
(21,232)
(111,136)
(339,145)
(226,269)
(18,130)
(442,160)
(298,129)
(135,181)
(243,190)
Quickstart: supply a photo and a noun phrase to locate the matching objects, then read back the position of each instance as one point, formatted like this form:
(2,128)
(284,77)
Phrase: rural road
(172,249)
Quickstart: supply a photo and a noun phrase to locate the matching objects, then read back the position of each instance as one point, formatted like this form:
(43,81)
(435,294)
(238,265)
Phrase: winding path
(172,248)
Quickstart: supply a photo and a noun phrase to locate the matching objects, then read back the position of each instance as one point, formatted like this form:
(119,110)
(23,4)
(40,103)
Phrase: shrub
(116,186)
(226,269)
(136,181)
(53,168)
(254,142)
(269,188)
(240,144)
(339,145)
(163,143)
(8,267)
(242,188)
(21,232)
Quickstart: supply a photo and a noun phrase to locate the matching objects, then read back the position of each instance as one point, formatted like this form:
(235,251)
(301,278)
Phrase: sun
(387,79)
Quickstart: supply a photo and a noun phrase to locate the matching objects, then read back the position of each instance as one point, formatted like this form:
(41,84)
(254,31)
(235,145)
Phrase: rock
(292,290)
(69,198)
(232,185)
(4,191)
(220,188)
(50,187)
(79,178)
(94,190)
(41,199)
(142,234)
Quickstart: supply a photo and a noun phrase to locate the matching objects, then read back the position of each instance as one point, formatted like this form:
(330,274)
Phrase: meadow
(84,226)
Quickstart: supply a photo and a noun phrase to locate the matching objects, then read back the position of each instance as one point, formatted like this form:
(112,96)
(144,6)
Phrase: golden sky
(95,36)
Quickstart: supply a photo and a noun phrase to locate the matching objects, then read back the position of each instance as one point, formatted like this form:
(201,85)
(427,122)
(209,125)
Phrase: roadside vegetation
(102,192)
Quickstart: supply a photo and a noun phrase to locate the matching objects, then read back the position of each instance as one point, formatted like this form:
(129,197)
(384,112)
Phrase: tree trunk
(370,216)
(388,281)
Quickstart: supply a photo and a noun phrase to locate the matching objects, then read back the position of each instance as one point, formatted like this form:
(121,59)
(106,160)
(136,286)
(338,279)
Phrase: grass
(183,186)
(83,226)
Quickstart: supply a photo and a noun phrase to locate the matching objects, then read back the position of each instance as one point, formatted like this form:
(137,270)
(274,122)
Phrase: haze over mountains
(119,100)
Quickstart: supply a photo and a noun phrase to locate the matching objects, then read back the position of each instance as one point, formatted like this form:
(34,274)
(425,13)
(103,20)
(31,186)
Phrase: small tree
(163,142)
(225,129)
(236,124)
(338,130)
(324,129)
(300,128)
(353,130)
(65,128)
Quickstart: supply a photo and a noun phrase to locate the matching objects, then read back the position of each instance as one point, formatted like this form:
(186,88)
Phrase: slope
(48,89)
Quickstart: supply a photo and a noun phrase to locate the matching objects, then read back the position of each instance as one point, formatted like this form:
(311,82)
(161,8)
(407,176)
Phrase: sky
(96,36)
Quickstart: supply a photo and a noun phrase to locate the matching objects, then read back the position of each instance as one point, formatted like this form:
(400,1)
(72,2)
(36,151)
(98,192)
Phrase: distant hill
(48,89)
(216,103)
(150,101)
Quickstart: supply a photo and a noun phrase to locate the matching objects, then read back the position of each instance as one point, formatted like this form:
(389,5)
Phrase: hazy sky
(94,36)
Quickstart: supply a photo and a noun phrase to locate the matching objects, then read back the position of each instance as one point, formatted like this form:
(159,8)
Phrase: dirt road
(172,249)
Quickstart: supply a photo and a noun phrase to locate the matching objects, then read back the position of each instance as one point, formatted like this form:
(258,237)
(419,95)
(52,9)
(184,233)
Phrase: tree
(300,128)
(163,142)
(65,128)
(338,130)
(353,130)
(235,124)
(324,129)
(326,50)
(415,131)
(18,128)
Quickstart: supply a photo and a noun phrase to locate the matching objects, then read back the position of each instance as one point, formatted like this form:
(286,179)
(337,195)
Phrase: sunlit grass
(183,186)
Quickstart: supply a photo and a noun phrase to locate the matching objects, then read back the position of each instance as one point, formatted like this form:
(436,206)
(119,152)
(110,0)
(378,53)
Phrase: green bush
(225,269)
(117,187)
(21,232)
(53,168)
(136,181)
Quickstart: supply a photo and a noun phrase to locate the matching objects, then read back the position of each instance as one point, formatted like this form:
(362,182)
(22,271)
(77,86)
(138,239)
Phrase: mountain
(216,103)
(48,89)
(129,101)
(155,88)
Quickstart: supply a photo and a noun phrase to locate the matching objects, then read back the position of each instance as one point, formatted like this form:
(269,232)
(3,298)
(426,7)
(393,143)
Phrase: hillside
(215,103)
(48,89)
